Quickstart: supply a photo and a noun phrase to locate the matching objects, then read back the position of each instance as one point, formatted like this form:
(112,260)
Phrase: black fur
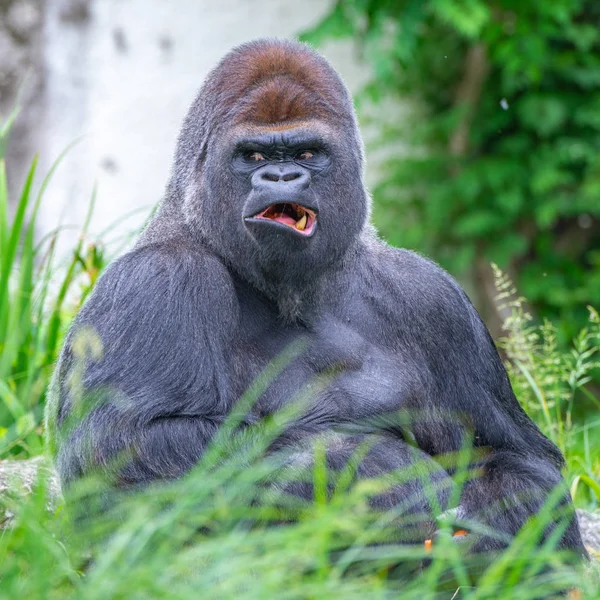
(191,316)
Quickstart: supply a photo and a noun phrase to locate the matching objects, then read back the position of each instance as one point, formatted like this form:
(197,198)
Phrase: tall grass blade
(4,231)
(55,316)
(7,260)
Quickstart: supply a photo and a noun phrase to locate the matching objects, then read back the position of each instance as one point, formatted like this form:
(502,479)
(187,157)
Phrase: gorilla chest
(343,372)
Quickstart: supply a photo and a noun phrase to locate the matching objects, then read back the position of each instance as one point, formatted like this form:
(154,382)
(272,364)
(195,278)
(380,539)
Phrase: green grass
(38,297)
(213,535)
(205,536)
(218,533)
(556,386)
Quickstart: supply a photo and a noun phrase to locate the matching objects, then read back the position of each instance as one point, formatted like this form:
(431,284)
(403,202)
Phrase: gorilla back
(263,239)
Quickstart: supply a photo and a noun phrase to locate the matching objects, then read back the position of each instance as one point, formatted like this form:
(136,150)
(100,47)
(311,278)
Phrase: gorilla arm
(159,391)
(469,390)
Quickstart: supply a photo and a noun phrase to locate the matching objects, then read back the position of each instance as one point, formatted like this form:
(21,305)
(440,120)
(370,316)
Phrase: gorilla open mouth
(292,215)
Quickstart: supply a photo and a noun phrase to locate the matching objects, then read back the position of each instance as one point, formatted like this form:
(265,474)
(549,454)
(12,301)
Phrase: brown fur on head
(275,81)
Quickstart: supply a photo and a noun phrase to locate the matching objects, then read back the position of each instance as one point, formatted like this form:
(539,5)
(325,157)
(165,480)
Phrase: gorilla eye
(305,155)
(255,156)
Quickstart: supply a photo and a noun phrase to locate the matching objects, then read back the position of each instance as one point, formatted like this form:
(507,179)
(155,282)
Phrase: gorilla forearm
(108,442)
(508,491)
(162,449)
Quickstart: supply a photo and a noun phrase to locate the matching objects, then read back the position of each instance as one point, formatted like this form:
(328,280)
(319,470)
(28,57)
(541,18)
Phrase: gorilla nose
(281,178)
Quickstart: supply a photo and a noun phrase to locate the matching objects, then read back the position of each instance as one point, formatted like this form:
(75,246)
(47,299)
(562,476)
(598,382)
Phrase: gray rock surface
(589,523)
(19,476)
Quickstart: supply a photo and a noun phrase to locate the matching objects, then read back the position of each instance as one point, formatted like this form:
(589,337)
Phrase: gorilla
(263,240)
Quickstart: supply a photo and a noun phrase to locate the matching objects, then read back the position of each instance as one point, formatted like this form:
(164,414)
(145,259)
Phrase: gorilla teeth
(290,214)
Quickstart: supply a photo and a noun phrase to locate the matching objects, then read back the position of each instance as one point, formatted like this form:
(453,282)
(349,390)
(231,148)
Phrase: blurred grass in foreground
(221,533)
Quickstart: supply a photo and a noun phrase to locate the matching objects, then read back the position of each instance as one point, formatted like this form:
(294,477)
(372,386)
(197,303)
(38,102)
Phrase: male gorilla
(263,239)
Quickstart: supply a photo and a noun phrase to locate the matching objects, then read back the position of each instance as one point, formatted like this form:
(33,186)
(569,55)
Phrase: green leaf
(335,25)
(505,248)
(469,17)
(476,224)
(543,114)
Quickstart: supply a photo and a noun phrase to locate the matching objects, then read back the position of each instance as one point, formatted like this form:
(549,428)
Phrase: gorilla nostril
(291,176)
(276,176)
(271,176)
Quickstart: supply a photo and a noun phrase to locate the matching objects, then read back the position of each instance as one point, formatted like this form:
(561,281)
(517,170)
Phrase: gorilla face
(280,168)
(291,196)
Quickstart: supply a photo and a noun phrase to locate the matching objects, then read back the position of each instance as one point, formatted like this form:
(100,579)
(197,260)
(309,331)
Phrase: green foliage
(552,385)
(504,138)
(35,307)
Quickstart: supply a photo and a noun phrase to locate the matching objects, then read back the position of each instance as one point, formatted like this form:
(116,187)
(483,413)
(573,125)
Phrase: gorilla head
(268,169)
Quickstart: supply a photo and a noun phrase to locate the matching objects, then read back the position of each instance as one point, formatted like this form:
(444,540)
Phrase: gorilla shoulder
(162,287)
(416,285)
